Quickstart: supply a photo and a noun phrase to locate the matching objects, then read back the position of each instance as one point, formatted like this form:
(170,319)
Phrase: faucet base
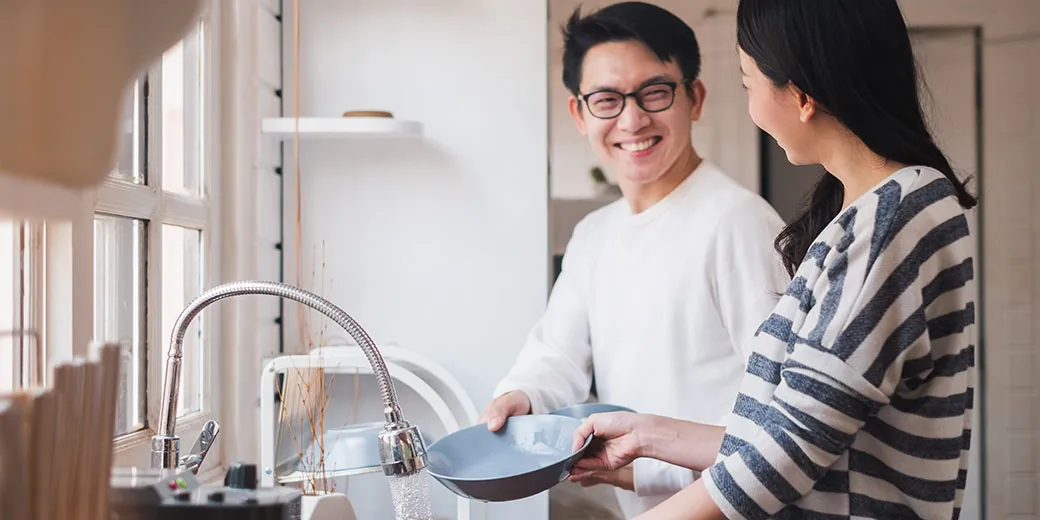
(166,451)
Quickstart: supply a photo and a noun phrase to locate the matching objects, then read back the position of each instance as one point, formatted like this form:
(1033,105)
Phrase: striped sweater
(857,400)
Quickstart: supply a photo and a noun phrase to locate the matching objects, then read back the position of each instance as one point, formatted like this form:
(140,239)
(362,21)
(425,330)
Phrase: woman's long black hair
(855,59)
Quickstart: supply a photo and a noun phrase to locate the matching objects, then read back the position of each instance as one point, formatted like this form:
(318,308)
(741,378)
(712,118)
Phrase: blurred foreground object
(56,441)
(64,68)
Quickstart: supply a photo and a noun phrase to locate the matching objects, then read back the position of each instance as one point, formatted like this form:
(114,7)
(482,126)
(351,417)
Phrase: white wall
(440,245)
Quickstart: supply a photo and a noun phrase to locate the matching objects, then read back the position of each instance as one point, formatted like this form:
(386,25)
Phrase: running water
(411,496)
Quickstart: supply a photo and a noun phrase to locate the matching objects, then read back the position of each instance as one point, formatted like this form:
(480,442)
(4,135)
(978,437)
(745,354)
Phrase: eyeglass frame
(634,95)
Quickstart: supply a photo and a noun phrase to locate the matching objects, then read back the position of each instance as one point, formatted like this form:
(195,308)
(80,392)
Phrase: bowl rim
(588,440)
(614,408)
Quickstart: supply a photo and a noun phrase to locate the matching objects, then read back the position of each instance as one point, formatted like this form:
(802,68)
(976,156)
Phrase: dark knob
(216,496)
(241,476)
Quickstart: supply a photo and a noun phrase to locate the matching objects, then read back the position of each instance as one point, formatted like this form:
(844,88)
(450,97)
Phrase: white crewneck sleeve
(661,307)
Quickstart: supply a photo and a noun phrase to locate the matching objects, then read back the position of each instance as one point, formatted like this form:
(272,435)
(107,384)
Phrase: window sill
(135,449)
(213,476)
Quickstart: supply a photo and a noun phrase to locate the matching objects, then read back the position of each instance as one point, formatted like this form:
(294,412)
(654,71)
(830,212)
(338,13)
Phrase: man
(660,292)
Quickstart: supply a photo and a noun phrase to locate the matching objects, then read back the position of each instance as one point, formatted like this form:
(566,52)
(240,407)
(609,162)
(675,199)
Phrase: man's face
(640,144)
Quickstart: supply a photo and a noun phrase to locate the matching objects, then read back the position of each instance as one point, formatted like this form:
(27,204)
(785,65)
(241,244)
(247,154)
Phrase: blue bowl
(581,411)
(529,455)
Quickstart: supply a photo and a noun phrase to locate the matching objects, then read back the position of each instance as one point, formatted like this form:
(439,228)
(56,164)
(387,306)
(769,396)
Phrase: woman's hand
(618,441)
(622,478)
(622,437)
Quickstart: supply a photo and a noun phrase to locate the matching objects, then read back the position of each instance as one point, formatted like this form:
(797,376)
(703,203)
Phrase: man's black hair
(665,34)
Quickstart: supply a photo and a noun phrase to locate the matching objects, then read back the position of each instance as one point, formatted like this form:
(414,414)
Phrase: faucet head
(402,450)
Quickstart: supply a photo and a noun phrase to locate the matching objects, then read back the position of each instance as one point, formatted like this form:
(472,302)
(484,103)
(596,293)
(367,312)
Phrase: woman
(857,400)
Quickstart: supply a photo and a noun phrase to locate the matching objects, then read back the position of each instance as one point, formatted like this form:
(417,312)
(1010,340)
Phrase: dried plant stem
(357,391)
(305,398)
(307,395)
(303,315)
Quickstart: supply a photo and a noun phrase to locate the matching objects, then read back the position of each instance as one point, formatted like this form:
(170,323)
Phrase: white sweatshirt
(661,306)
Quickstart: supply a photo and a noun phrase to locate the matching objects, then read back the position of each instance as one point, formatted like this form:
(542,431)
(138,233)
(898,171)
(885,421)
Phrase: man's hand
(503,407)
(622,478)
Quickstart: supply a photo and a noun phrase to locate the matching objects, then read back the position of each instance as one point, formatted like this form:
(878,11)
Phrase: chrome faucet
(402,450)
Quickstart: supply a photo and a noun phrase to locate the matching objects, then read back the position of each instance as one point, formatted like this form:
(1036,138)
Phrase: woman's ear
(806,104)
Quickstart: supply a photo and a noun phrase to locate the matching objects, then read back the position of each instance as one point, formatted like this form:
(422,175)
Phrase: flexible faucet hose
(171,384)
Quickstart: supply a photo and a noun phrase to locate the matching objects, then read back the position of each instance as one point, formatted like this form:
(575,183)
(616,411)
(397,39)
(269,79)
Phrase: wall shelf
(341,127)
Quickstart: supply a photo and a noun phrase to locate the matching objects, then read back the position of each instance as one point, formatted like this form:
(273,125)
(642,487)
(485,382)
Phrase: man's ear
(697,93)
(574,106)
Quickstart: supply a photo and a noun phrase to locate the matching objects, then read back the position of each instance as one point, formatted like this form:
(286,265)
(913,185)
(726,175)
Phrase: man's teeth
(638,147)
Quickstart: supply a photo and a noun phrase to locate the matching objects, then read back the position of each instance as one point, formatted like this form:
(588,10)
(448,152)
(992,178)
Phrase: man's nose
(633,118)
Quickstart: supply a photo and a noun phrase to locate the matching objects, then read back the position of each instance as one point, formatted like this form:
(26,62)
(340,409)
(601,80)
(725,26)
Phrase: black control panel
(161,495)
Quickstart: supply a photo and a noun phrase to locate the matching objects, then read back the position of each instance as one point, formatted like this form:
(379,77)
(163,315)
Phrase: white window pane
(181,116)
(8,300)
(182,283)
(119,282)
(30,315)
(129,165)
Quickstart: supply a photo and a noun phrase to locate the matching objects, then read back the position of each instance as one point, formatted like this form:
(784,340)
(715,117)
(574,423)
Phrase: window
(9,301)
(20,356)
(10,304)
(119,262)
(154,226)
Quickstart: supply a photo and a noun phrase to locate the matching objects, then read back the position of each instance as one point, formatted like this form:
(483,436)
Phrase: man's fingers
(495,415)
(495,423)
(490,412)
(502,408)
(513,410)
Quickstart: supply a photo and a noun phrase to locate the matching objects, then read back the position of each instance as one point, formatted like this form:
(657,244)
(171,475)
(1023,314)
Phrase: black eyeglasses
(608,104)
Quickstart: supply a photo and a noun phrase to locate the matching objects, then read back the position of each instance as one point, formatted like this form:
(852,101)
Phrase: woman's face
(783,113)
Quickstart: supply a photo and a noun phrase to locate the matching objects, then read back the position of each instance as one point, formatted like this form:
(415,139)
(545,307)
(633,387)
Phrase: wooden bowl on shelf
(368,113)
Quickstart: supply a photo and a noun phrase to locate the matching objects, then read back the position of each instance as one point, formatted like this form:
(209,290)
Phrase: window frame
(152,203)
(61,279)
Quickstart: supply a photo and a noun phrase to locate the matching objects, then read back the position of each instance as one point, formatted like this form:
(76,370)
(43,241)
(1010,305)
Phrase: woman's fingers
(584,430)
(587,464)
(587,478)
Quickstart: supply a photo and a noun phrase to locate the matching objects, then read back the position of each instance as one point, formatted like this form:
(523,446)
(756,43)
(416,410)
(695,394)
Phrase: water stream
(411,496)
